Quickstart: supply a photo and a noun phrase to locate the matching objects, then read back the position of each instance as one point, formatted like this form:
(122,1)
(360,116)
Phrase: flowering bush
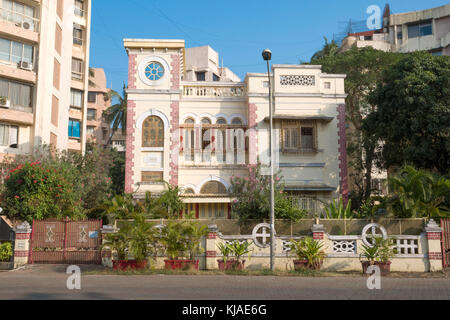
(39,191)
(52,184)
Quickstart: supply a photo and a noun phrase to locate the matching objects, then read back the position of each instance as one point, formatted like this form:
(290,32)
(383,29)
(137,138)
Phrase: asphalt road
(49,282)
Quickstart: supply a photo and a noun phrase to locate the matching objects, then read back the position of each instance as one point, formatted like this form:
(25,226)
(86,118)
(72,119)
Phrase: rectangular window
(92,97)
(18,94)
(298,136)
(152,176)
(420,29)
(216,77)
(77,35)
(91,114)
(15,52)
(76,98)
(79,8)
(74,128)
(77,69)
(201,76)
(18,13)
(90,129)
(9,135)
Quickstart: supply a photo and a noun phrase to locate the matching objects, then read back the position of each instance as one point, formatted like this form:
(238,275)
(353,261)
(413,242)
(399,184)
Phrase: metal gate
(445,240)
(66,242)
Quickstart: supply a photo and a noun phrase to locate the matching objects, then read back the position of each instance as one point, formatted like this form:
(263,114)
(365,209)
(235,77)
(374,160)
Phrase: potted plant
(193,233)
(117,242)
(378,254)
(226,250)
(309,252)
(5,256)
(134,239)
(180,239)
(140,237)
(237,250)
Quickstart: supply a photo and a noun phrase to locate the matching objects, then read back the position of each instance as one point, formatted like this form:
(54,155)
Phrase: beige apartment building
(425,30)
(44,63)
(97,130)
(195,124)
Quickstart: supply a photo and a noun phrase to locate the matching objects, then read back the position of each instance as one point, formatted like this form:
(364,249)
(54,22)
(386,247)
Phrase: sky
(238,30)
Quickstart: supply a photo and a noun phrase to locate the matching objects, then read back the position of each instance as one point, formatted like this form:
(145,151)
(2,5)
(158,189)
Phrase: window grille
(298,80)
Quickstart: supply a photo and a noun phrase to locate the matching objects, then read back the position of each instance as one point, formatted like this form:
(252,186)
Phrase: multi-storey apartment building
(427,30)
(97,130)
(44,59)
(195,124)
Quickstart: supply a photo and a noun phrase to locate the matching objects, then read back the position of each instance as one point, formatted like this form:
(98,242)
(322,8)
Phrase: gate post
(434,245)
(106,253)
(22,247)
(210,248)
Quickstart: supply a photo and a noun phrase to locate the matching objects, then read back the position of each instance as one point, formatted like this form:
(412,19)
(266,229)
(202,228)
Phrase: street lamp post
(267,56)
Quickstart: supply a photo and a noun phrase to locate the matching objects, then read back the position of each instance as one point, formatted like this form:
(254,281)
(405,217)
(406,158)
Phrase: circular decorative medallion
(373,234)
(264,235)
(154,71)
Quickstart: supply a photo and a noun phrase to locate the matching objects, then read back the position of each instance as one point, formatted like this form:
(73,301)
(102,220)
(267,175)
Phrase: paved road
(49,282)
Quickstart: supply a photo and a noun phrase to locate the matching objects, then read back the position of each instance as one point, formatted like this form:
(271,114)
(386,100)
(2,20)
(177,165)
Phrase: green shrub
(40,191)
(5,252)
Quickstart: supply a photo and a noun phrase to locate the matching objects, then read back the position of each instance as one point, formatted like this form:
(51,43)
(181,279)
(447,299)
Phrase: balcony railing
(20,20)
(213,91)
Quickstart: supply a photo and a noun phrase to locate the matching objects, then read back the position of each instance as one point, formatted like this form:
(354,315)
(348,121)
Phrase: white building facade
(195,124)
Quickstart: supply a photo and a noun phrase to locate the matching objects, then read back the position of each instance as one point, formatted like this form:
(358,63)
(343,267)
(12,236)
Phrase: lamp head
(267,55)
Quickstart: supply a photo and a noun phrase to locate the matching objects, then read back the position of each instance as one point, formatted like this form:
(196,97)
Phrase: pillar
(106,252)
(210,248)
(22,247)
(434,233)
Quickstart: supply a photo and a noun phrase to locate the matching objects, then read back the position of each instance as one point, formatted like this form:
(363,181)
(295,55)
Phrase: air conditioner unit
(25,65)
(26,25)
(4,103)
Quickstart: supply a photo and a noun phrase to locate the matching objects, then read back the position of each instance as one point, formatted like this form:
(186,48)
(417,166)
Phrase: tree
(253,198)
(116,115)
(418,193)
(364,68)
(412,115)
(329,49)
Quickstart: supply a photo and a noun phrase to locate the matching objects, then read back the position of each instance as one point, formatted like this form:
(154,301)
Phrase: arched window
(189,191)
(213,187)
(153,132)
(189,140)
(221,121)
(236,121)
(206,141)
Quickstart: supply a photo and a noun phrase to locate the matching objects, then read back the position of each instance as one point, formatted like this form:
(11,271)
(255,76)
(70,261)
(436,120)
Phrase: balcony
(216,90)
(19,20)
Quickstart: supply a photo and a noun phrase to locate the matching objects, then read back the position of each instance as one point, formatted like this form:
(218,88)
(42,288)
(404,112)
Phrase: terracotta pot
(385,267)
(181,264)
(303,264)
(124,265)
(231,265)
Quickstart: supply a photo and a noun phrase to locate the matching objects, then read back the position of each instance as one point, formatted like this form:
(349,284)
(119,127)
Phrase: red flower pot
(231,265)
(181,264)
(124,265)
(385,267)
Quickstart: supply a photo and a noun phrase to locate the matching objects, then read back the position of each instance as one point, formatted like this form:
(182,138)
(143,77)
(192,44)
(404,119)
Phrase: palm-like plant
(310,250)
(329,49)
(141,235)
(416,193)
(116,115)
(239,249)
(336,210)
